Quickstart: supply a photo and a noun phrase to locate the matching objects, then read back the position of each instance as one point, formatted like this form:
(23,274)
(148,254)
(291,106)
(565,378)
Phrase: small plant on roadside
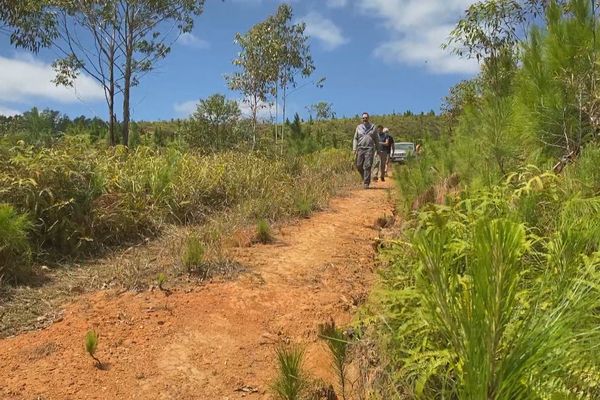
(321,391)
(338,347)
(161,279)
(291,382)
(91,345)
(263,232)
(304,206)
(193,253)
(385,221)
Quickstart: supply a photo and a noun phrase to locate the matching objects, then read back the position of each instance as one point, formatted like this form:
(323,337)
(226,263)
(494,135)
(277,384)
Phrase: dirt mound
(214,341)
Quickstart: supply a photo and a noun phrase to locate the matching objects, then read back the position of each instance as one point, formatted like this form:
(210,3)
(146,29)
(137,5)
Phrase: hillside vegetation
(493,287)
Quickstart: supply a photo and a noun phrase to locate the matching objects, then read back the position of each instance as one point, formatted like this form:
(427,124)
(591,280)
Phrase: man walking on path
(364,145)
(377,158)
(383,152)
(390,151)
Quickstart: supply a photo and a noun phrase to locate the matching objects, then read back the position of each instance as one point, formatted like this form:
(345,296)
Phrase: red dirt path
(214,341)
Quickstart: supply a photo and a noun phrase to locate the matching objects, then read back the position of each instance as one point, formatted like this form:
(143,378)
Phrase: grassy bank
(494,293)
(74,199)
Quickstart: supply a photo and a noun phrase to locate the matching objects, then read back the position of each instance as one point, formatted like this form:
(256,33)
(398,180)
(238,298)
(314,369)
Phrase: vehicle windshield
(404,146)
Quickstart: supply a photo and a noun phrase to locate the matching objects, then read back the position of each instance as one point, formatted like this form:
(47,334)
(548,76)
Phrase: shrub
(56,187)
(263,232)
(193,253)
(304,206)
(15,251)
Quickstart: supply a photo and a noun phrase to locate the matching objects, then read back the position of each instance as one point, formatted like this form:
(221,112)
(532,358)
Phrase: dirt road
(214,341)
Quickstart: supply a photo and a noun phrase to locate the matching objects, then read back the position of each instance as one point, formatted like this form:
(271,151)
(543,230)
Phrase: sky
(379,56)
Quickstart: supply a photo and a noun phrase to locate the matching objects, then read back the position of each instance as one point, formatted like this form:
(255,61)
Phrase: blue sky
(379,56)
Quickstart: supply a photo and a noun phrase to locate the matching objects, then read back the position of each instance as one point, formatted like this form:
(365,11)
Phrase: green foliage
(338,347)
(585,171)
(417,180)
(273,52)
(84,198)
(28,25)
(493,293)
(134,138)
(506,113)
(161,279)
(495,296)
(91,344)
(461,95)
(56,187)
(291,382)
(296,126)
(264,233)
(193,253)
(322,111)
(15,251)
(215,125)
(304,206)
(555,89)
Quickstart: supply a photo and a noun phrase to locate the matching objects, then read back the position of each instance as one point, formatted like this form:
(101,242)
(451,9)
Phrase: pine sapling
(193,253)
(338,347)
(91,345)
(291,382)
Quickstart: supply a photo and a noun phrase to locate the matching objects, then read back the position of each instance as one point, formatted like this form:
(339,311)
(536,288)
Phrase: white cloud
(190,40)
(418,28)
(186,108)
(24,78)
(266,111)
(8,111)
(336,3)
(323,29)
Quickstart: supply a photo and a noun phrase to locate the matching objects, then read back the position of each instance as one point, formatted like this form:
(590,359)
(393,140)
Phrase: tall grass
(83,198)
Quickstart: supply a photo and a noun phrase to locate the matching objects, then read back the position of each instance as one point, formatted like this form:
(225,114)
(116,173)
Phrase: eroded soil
(211,341)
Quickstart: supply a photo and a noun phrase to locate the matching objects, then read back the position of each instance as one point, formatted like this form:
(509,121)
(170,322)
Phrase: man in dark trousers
(390,151)
(364,145)
(383,152)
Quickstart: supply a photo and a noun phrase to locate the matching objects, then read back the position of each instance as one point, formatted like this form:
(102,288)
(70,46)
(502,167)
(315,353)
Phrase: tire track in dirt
(214,341)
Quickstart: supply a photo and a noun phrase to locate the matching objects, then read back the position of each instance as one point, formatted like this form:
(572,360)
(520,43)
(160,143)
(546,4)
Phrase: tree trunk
(111,118)
(254,113)
(276,109)
(111,92)
(283,116)
(127,76)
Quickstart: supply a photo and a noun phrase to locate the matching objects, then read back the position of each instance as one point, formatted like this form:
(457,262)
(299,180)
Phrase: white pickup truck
(401,151)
